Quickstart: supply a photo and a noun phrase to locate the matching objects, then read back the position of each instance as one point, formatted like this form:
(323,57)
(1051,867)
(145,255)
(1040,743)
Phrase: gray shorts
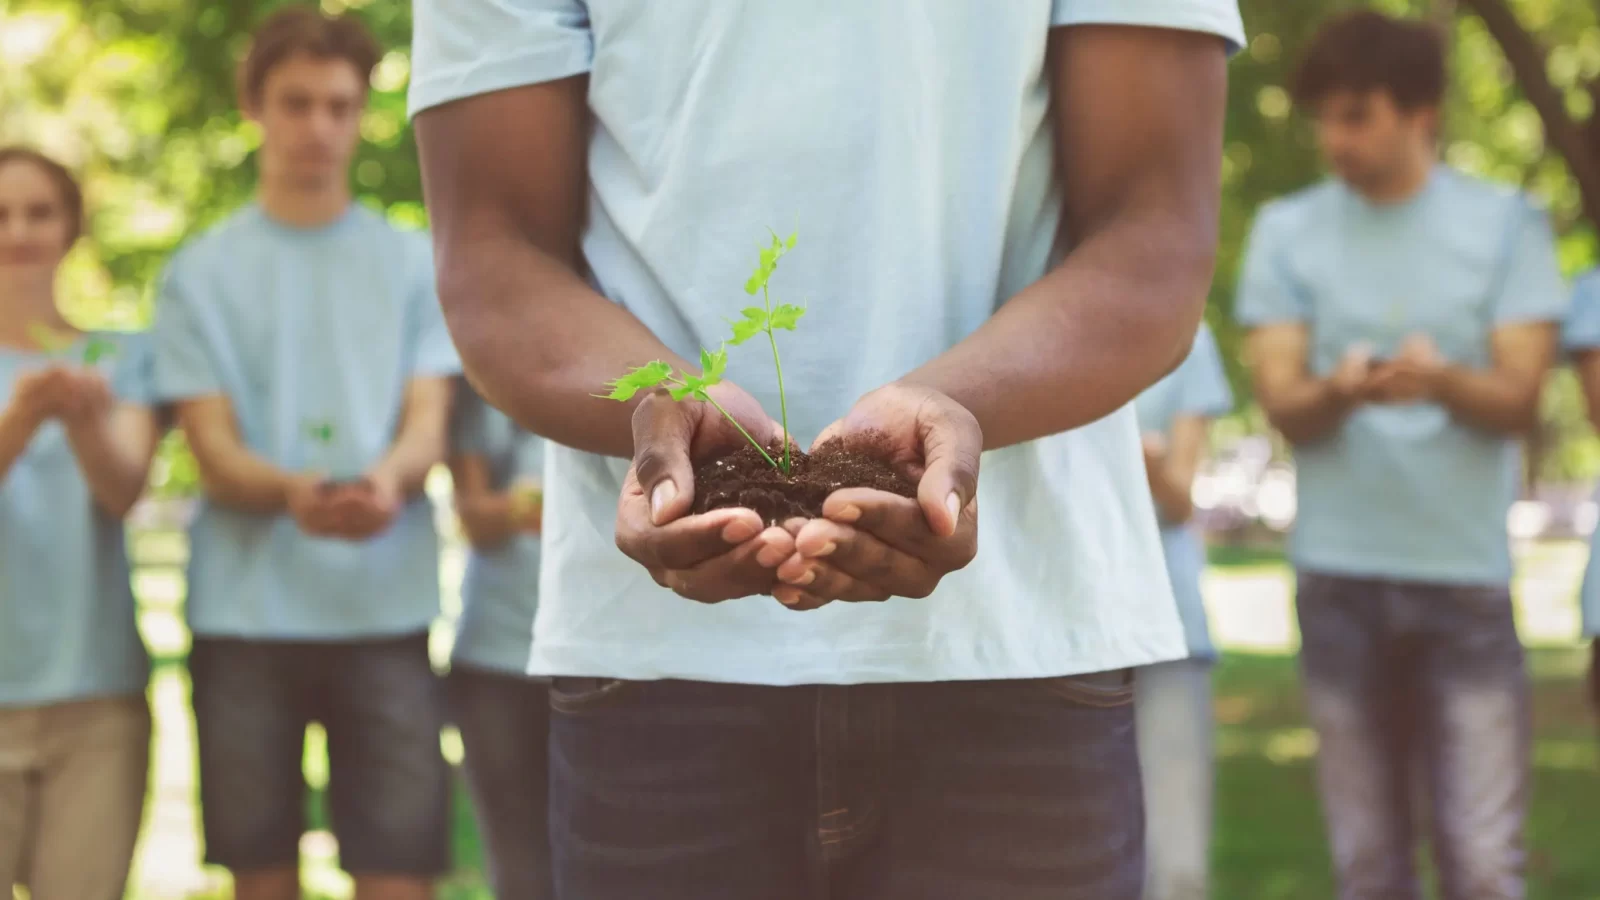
(388,787)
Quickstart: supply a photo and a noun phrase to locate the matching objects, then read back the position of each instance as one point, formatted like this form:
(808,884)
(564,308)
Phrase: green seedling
(56,344)
(323,434)
(764,319)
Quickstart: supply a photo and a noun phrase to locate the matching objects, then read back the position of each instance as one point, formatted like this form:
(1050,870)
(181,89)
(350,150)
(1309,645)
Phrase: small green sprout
(56,344)
(764,319)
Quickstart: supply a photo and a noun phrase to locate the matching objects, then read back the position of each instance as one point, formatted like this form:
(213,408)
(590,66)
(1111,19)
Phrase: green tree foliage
(139,96)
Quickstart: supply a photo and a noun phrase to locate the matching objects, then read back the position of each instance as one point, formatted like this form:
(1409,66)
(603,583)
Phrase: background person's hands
(87,396)
(721,555)
(872,545)
(1351,376)
(1409,377)
(365,508)
(42,394)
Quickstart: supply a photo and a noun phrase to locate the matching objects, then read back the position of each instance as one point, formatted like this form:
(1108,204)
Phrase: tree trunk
(1577,142)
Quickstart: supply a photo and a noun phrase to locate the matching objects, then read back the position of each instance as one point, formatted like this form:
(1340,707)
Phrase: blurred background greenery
(138,96)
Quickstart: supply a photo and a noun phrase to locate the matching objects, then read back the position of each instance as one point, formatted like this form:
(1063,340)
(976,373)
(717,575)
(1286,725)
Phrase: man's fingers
(845,563)
(743,571)
(661,438)
(687,542)
(951,447)
(900,521)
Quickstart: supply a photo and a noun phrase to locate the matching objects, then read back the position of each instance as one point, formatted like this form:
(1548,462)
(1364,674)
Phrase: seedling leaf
(786,316)
(753,323)
(793,237)
(98,349)
(712,364)
(643,378)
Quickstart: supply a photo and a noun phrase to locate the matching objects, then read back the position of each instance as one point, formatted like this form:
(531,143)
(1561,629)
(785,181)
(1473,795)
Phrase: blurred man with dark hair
(1404,321)
(303,345)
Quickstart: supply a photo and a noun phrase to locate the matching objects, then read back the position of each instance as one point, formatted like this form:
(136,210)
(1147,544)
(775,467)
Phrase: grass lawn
(1269,841)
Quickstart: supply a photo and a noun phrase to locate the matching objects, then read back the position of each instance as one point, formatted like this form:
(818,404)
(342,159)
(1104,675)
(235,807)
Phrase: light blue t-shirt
(910,144)
(500,591)
(67,628)
(1404,492)
(1198,387)
(304,329)
(1582,333)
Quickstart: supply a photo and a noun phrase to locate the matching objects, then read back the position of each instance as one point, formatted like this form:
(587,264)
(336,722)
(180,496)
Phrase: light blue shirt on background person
(67,618)
(1198,387)
(1404,492)
(925,195)
(302,328)
(500,590)
(1581,333)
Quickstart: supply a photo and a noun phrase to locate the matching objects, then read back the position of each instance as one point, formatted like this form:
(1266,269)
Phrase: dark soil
(745,479)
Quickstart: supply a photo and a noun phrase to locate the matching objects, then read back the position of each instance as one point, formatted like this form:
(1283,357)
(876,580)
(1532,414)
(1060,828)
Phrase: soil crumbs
(745,479)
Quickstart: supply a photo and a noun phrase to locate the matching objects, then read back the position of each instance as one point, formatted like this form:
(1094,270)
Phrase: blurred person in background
(302,343)
(732,714)
(1173,699)
(1581,339)
(77,434)
(1405,318)
(502,712)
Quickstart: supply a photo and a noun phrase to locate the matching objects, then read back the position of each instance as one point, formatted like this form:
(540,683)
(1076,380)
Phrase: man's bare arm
(114,451)
(1505,397)
(1303,407)
(1139,115)
(505,179)
(421,441)
(1172,474)
(230,474)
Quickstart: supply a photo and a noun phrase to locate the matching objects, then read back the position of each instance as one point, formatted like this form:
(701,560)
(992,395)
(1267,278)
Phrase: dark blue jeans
(1417,692)
(1016,790)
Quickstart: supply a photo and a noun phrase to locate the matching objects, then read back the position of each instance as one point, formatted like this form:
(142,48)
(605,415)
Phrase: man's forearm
(1117,315)
(1307,411)
(1174,501)
(234,477)
(1487,399)
(414,454)
(539,343)
(16,432)
(113,453)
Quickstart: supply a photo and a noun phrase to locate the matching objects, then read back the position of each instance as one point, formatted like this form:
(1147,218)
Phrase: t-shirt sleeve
(133,369)
(1581,331)
(1219,17)
(1203,383)
(185,360)
(1268,292)
(432,352)
(461,48)
(1530,287)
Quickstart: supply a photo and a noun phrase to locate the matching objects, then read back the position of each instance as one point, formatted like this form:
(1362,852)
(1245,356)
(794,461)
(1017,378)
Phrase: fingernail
(848,514)
(826,549)
(739,531)
(804,578)
(788,598)
(659,498)
(953,503)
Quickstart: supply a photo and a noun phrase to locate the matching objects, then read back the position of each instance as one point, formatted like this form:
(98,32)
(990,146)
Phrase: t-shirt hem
(1401,570)
(72,695)
(330,636)
(883,664)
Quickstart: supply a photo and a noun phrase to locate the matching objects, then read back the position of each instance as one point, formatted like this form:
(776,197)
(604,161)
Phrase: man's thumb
(661,436)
